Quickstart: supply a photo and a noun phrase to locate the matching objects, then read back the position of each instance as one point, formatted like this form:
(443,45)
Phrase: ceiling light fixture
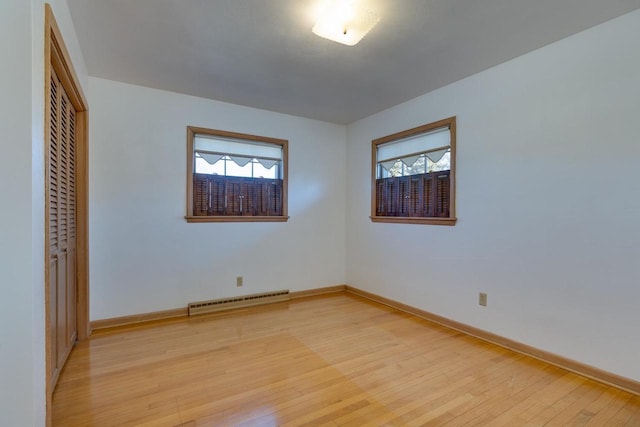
(343,22)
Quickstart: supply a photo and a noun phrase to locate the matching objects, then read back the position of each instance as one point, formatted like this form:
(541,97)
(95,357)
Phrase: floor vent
(212,306)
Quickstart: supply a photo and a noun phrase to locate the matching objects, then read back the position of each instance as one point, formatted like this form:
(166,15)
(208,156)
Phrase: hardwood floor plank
(334,360)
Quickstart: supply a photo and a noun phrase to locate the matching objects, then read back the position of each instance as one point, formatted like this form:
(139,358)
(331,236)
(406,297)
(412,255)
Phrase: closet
(62,225)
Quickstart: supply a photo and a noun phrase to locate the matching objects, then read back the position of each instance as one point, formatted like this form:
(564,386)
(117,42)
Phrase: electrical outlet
(482,300)
(239,281)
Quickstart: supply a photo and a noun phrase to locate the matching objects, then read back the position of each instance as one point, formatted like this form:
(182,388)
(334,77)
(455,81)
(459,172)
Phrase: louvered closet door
(62,225)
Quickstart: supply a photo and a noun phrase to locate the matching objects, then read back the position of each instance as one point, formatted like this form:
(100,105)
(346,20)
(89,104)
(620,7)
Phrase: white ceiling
(262,53)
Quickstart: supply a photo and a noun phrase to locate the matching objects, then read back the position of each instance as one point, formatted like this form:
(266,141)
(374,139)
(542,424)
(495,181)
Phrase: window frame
(192,131)
(451,219)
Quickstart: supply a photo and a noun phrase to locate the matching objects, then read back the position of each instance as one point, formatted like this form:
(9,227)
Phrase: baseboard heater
(212,306)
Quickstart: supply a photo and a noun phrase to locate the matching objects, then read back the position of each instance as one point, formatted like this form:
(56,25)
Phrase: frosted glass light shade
(343,22)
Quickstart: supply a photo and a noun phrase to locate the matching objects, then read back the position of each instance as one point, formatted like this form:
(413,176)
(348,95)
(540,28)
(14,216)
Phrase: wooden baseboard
(115,322)
(579,368)
(317,291)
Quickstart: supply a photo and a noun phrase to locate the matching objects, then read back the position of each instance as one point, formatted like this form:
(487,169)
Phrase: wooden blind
(428,195)
(415,196)
(201,194)
(263,200)
(233,195)
(391,197)
(215,195)
(274,197)
(62,169)
(53,164)
(404,194)
(71,170)
(380,200)
(420,195)
(442,194)
(63,159)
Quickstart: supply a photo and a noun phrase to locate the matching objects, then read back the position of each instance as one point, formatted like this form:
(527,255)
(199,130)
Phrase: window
(413,175)
(235,177)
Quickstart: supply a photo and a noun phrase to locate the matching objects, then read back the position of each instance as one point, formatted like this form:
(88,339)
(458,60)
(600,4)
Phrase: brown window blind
(420,195)
(216,195)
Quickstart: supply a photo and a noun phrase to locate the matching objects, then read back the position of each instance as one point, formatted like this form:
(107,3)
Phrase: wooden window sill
(236,218)
(414,220)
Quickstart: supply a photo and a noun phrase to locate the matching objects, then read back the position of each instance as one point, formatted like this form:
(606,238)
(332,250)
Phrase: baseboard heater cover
(212,306)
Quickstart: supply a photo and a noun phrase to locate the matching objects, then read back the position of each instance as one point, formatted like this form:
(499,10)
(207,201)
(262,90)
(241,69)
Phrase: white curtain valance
(267,163)
(435,156)
(388,164)
(240,161)
(210,158)
(232,147)
(434,140)
(409,161)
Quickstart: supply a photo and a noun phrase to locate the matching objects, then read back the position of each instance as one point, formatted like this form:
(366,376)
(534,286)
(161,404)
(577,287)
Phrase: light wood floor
(330,360)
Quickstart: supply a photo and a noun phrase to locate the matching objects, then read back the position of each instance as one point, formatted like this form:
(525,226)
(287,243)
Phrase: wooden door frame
(56,57)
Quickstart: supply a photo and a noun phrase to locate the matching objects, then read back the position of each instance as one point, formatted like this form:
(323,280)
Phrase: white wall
(144,255)
(22,394)
(16,322)
(548,202)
